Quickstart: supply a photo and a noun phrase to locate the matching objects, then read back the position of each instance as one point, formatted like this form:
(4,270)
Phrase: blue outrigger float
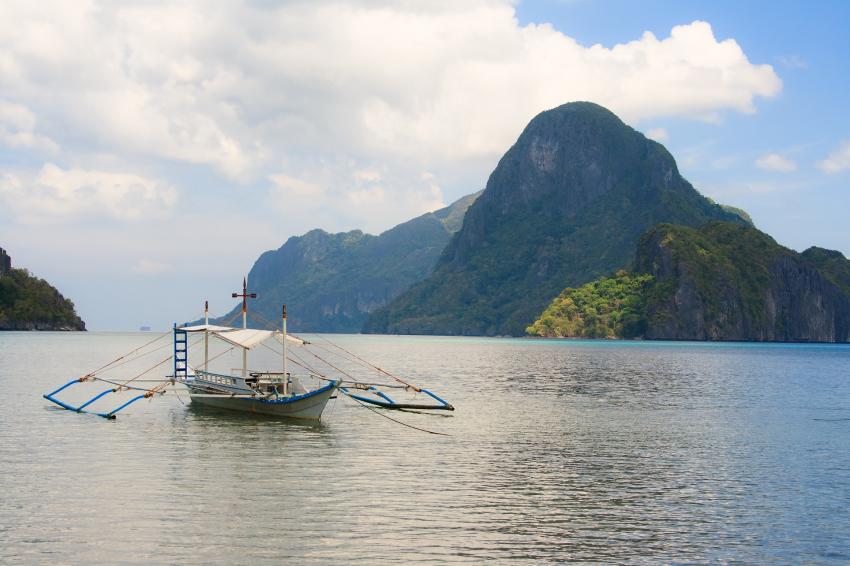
(386,402)
(81,408)
(277,393)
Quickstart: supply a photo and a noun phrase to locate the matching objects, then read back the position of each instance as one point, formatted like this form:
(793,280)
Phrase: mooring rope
(395,420)
(174,388)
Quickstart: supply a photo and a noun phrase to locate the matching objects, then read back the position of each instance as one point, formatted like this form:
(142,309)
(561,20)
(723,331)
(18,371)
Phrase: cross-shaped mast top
(245,296)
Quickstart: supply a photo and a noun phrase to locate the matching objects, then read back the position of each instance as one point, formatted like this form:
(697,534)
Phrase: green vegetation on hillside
(721,260)
(740,212)
(832,264)
(722,281)
(566,205)
(610,307)
(331,282)
(27,302)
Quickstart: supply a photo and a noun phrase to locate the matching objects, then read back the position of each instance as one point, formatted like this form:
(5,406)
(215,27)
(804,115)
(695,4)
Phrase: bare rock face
(803,306)
(730,282)
(5,262)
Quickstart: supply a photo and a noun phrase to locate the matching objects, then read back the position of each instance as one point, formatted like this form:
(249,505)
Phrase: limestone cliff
(731,282)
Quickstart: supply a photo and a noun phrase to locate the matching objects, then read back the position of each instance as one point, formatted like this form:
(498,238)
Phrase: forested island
(722,281)
(30,303)
(585,228)
(333,281)
(565,205)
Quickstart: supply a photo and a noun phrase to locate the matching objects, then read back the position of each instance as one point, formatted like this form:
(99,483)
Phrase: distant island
(565,205)
(30,303)
(722,281)
(585,229)
(332,282)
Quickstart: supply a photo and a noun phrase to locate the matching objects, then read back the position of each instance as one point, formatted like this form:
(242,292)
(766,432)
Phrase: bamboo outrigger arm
(80,409)
(387,403)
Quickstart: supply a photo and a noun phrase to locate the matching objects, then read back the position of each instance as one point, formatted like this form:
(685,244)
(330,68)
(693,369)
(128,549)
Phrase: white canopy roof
(289,338)
(243,337)
(202,327)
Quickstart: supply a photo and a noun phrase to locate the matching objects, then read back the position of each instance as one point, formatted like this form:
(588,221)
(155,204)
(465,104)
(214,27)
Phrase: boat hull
(305,407)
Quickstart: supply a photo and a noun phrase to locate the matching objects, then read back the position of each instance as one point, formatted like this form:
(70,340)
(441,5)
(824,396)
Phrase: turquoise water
(597,451)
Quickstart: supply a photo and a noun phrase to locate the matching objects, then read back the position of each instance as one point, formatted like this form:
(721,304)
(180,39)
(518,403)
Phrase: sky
(150,152)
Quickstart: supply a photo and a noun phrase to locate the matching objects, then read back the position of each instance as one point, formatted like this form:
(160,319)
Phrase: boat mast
(285,374)
(245,296)
(206,335)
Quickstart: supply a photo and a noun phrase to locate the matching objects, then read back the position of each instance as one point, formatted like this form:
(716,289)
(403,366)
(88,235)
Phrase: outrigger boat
(272,393)
(280,393)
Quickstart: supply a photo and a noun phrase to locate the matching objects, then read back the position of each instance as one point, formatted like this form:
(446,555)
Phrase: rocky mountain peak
(566,204)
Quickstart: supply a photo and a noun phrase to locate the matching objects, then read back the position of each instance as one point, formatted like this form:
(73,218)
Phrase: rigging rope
(228,321)
(300,362)
(143,373)
(153,389)
(367,363)
(128,387)
(118,359)
(217,356)
(365,406)
(140,356)
(297,361)
(343,372)
(268,324)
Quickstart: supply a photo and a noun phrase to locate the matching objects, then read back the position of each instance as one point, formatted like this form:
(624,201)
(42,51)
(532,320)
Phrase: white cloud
(290,187)
(776,162)
(370,174)
(356,198)
(56,194)
(344,114)
(838,160)
(658,134)
(244,84)
(17,129)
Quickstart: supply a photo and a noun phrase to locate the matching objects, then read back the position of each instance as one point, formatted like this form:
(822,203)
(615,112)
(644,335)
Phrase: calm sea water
(559,450)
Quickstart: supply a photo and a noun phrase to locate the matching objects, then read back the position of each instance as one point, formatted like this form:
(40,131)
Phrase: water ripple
(585,451)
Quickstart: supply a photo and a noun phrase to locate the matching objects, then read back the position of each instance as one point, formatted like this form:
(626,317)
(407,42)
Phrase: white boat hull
(306,407)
